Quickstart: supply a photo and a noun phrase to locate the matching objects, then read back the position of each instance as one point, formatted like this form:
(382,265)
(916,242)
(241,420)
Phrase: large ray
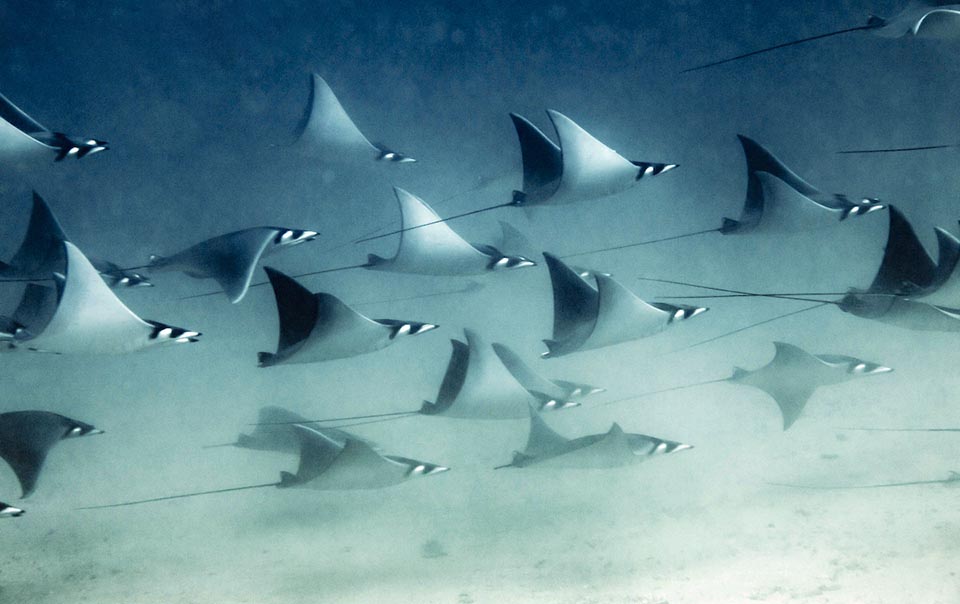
(547,449)
(478,385)
(779,201)
(22,138)
(90,319)
(587,318)
(231,259)
(26,438)
(932,19)
(437,249)
(327,464)
(320,327)
(579,168)
(326,129)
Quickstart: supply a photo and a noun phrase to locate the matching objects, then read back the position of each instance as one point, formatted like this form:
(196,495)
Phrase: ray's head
(503,263)
(863,207)
(856,367)
(291,237)
(8,511)
(75,429)
(394,157)
(557,405)
(162,333)
(410,329)
(652,447)
(417,469)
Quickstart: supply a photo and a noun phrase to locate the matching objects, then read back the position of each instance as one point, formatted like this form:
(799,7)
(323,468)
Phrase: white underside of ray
(591,170)
(89,318)
(431,250)
(527,377)
(344,333)
(489,390)
(330,131)
(358,466)
(622,316)
(786,210)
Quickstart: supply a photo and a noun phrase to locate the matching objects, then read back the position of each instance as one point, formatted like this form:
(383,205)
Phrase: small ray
(930,19)
(953,479)
(437,249)
(327,464)
(587,318)
(790,378)
(22,137)
(88,317)
(26,438)
(320,327)
(557,390)
(231,259)
(548,449)
(327,129)
(479,384)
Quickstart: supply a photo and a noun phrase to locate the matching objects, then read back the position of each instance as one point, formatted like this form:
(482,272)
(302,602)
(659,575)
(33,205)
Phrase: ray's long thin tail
(872,25)
(750,326)
(432,222)
(181,496)
(377,416)
(661,391)
(902,429)
(895,149)
(953,478)
(262,283)
(641,243)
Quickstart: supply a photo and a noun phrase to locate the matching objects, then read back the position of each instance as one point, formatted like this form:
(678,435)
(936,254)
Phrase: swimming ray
(580,168)
(9,511)
(479,385)
(559,390)
(231,259)
(320,327)
(26,437)
(937,19)
(790,378)
(117,276)
(90,319)
(326,128)
(777,201)
(952,479)
(326,464)
(548,449)
(22,137)
(437,249)
(586,318)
